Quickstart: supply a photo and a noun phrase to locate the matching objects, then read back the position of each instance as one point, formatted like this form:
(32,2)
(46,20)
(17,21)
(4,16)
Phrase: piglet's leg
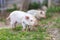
(13,24)
(24,27)
(29,28)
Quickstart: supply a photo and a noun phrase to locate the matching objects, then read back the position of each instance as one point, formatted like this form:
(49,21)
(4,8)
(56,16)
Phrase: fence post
(49,3)
(25,5)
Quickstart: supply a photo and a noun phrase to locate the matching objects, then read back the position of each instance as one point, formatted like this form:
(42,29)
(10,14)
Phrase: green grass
(7,34)
(53,9)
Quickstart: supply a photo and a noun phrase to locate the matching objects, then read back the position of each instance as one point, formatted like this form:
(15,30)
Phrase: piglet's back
(20,14)
(17,13)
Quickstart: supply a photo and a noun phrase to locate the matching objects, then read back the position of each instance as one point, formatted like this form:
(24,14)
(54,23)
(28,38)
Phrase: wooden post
(49,3)
(25,5)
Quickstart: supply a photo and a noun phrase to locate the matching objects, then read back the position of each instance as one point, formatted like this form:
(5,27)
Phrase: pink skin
(22,18)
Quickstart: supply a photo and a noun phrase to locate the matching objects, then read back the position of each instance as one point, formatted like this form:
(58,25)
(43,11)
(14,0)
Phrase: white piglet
(37,13)
(22,18)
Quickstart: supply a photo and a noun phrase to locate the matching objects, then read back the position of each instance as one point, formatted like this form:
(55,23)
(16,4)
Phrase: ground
(49,29)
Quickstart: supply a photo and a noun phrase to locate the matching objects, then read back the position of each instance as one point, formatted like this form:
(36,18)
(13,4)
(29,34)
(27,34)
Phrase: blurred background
(7,6)
(49,29)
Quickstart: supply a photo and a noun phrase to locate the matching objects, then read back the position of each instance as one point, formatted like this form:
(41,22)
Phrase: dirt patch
(3,25)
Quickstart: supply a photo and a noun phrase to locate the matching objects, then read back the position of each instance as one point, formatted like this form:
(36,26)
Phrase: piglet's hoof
(29,29)
(23,30)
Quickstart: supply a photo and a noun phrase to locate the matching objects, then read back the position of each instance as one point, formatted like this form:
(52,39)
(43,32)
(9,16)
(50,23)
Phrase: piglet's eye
(40,12)
(31,20)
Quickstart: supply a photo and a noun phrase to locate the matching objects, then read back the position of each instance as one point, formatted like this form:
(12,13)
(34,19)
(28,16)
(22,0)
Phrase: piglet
(22,18)
(37,13)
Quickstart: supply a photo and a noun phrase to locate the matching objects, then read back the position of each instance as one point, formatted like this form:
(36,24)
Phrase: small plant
(50,11)
(45,2)
(34,5)
(15,8)
(53,9)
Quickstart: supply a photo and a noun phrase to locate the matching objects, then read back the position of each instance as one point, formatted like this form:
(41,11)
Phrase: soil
(3,25)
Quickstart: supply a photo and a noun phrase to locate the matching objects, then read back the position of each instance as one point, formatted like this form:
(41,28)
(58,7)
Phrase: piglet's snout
(45,17)
(36,24)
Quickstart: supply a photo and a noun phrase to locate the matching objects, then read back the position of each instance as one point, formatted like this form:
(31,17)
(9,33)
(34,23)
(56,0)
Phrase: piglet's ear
(27,17)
